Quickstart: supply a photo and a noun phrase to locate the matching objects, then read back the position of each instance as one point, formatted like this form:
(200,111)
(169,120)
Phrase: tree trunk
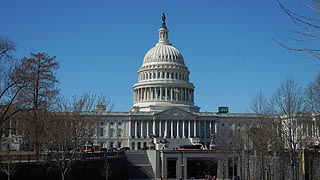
(62,176)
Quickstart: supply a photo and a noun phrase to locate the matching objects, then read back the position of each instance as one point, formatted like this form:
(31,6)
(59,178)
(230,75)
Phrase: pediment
(174,113)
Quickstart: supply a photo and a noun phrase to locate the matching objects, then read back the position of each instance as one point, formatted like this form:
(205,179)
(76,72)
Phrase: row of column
(171,129)
(163,75)
(163,94)
(112,131)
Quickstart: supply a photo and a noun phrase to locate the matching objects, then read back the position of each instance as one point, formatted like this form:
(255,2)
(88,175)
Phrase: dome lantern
(163,32)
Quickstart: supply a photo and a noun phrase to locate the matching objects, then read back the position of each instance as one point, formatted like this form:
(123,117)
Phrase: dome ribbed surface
(163,53)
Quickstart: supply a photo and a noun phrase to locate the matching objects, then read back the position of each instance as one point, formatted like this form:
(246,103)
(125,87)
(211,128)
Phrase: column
(138,95)
(189,129)
(195,129)
(171,94)
(205,129)
(134,96)
(152,93)
(178,129)
(129,131)
(183,94)
(141,129)
(141,95)
(166,129)
(183,129)
(109,129)
(148,129)
(215,128)
(154,127)
(199,130)
(166,94)
(145,94)
(171,134)
(136,129)
(192,95)
(188,95)
(160,129)
(156,92)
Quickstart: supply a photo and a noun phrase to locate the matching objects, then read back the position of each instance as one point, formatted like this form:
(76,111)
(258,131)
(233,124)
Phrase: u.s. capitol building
(165,118)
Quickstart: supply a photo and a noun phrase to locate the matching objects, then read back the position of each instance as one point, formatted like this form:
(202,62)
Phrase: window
(133,144)
(119,144)
(111,134)
(139,145)
(111,144)
(119,133)
(101,131)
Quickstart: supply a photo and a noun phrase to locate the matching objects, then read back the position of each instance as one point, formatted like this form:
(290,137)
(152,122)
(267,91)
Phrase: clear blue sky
(100,44)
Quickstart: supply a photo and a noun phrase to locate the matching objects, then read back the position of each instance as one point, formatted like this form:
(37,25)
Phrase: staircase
(139,167)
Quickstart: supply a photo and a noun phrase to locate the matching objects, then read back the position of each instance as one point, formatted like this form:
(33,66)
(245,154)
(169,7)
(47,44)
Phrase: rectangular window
(101,131)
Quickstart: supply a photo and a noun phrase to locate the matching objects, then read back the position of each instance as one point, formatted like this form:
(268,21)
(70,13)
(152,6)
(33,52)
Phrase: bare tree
(312,95)
(6,47)
(106,169)
(7,164)
(231,139)
(10,84)
(264,137)
(287,104)
(69,127)
(260,104)
(307,27)
(38,95)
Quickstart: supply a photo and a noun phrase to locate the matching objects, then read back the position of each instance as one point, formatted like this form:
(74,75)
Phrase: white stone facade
(163,107)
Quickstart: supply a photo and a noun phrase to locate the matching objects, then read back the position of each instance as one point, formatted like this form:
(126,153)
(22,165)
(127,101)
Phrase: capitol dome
(163,79)
(163,53)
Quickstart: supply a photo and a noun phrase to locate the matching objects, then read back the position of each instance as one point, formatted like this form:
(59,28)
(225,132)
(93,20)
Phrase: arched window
(119,133)
(133,144)
(144,145)
(139,145)
(111,133)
